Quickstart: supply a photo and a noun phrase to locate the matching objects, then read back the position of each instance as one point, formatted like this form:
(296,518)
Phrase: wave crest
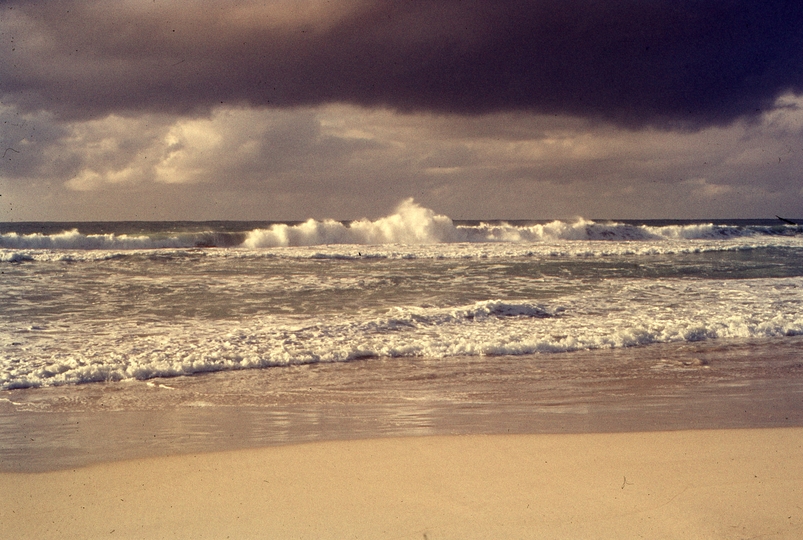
(410,224)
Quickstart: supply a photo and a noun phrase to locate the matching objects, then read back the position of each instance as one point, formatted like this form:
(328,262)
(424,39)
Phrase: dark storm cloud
(668,63)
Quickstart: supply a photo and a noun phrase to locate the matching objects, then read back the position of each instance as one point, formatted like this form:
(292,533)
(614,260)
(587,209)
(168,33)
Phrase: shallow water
(706,385)
(126,339)
(143,314)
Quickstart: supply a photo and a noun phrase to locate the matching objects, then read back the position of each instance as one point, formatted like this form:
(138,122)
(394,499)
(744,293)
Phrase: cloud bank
(290,109)
(662,63)
(347,162)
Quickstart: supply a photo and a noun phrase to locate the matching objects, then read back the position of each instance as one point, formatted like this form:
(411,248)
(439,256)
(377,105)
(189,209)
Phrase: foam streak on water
(98,302)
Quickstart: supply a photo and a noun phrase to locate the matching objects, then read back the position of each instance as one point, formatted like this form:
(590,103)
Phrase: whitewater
(112,302)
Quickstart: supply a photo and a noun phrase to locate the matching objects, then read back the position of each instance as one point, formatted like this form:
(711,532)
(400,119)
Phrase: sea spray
(411,225)
(95,302)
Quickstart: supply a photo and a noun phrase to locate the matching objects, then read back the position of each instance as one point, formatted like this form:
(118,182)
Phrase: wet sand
(707,385)
(691,441)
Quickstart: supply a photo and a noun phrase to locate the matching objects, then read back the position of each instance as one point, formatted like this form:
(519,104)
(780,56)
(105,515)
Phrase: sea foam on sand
(744,483)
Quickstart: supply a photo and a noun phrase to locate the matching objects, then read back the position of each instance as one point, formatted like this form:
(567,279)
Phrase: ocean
(409,324)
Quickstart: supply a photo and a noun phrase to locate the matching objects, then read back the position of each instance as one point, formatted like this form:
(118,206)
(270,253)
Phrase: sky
(478,109)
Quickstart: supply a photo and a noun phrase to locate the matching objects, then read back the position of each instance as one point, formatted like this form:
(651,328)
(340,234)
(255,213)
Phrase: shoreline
(704,484)
(662,388)
(678,441)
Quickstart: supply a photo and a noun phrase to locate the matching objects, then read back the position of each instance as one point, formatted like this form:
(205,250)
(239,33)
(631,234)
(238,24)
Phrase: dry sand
(683,484)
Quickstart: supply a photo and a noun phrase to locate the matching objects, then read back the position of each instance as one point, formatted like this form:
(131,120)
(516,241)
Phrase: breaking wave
(73,239)
(411,224)
(143,350)
(414,224)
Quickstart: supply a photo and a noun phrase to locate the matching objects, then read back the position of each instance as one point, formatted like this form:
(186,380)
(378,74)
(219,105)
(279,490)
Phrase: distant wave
(75,240)
(411,224)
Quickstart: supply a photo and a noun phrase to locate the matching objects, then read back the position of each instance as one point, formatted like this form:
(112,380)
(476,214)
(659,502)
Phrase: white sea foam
(15,256)
(73,239)
(413,224)
(618,314)
(410,225)
(455,250)
(413,284)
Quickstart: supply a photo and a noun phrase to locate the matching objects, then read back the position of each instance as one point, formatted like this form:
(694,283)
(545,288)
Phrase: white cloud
(347,162)
(787,116)
(701,187)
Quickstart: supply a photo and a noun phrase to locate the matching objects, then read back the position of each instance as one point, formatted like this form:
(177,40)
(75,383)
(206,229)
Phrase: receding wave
(486,328)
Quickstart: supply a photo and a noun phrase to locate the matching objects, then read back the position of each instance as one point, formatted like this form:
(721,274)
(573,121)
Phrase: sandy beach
(453,449)
(354,269)
(682,484)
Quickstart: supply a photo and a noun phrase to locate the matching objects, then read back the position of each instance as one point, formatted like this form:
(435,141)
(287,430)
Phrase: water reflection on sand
(661,387)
